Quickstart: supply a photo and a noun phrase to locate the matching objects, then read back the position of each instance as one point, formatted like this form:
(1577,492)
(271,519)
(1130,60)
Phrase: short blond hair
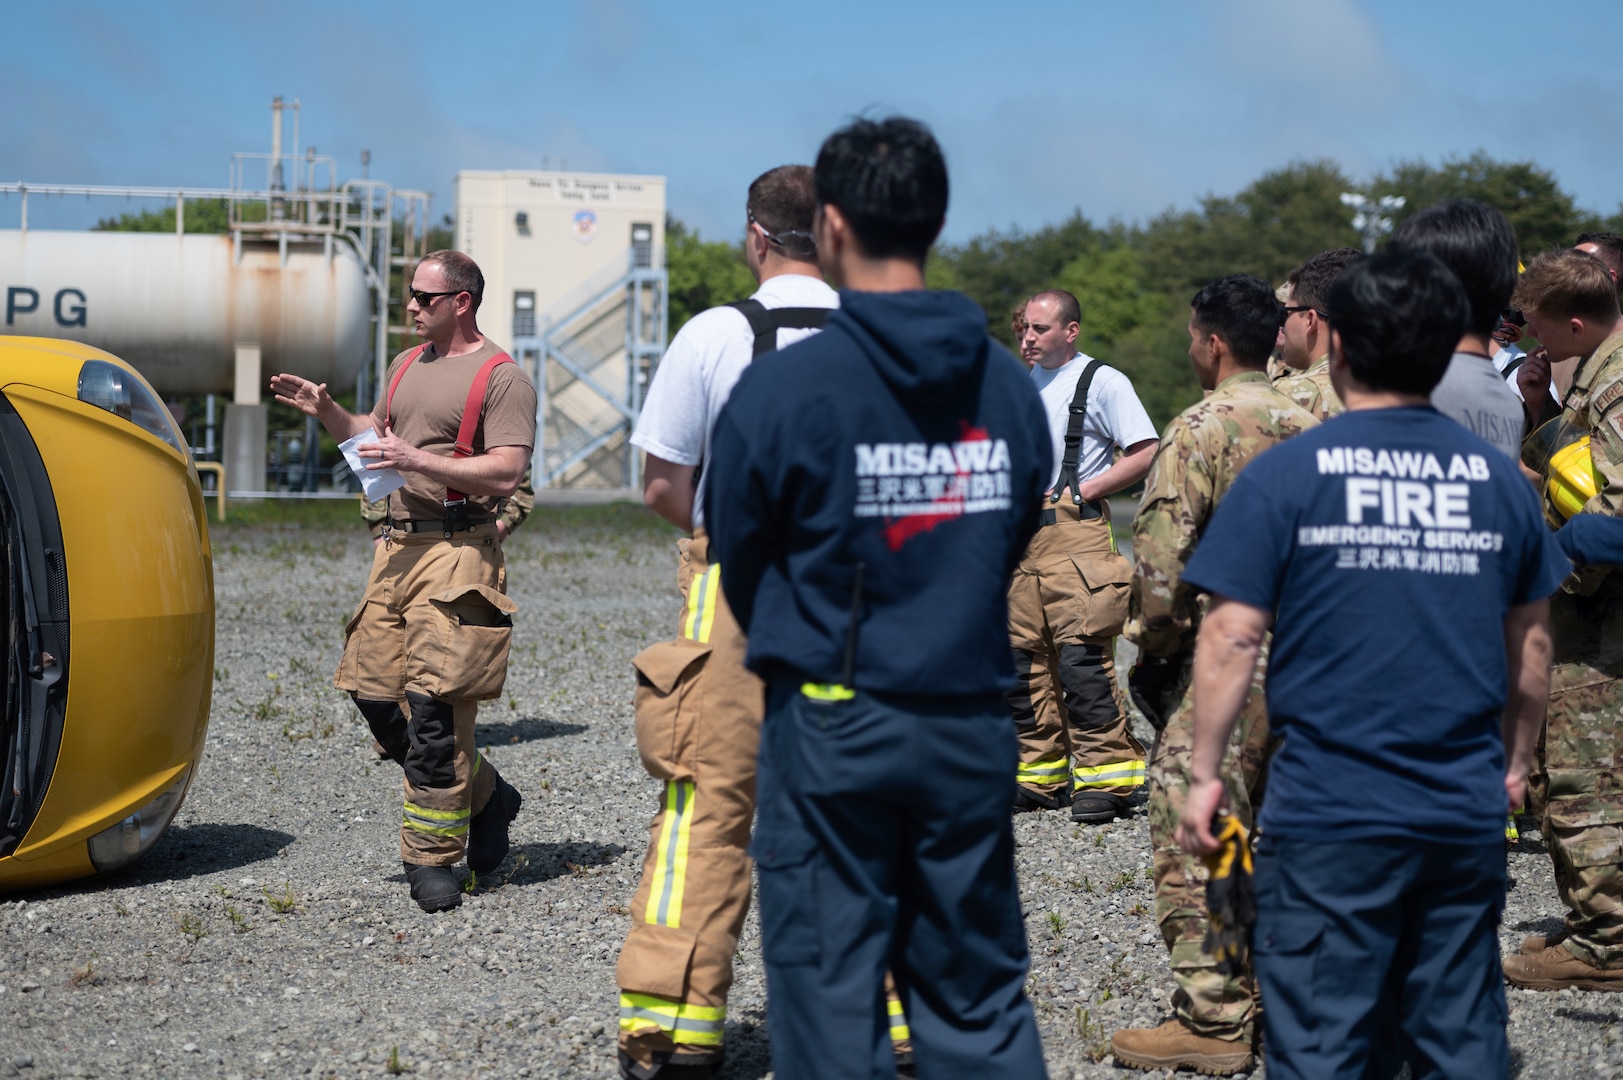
(1567,284)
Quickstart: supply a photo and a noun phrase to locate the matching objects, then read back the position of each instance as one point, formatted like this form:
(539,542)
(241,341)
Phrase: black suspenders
(1073,435)
(765,322)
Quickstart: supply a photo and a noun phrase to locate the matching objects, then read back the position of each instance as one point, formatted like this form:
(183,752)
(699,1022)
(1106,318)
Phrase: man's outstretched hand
(309,398)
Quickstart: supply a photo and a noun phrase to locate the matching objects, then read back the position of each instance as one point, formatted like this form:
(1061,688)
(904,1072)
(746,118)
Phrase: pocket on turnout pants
(1106,580)
(669,674)
(457,642)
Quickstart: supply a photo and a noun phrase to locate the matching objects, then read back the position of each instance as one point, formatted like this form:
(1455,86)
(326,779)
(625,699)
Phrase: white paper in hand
(375,483)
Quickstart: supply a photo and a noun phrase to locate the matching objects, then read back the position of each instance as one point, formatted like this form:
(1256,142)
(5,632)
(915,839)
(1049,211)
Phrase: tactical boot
(1556,969)
(1174,1046)
(1096,807)
(487,832)
(435,888)
(1537,943)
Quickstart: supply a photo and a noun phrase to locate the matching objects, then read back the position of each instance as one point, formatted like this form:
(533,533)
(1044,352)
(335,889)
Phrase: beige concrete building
(574,286)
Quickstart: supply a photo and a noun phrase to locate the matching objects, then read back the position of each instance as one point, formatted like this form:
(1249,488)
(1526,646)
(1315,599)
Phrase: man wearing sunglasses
(431,636)
(698,708)
(1304,337)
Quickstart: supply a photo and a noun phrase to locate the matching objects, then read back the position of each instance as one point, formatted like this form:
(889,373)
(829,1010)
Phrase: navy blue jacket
(902,439)
(1592,540)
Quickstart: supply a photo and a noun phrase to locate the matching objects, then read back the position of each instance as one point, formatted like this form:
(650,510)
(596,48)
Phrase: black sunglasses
(426,298)
(777,238)
(1289,311)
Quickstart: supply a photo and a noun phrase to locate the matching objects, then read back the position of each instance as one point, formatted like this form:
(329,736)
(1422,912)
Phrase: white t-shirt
(1114,417)
(701,366)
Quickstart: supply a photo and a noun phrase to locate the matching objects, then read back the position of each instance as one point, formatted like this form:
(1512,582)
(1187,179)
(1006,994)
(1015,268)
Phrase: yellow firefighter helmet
(1560,452)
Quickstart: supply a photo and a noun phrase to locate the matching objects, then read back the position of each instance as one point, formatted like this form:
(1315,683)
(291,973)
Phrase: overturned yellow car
(108,586)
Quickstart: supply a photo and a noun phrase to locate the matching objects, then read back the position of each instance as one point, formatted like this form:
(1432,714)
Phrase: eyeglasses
(424,299)
(1289,311)
(778,238)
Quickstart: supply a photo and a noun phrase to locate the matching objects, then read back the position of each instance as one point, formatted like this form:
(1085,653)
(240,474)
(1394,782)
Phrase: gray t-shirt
(1473,393)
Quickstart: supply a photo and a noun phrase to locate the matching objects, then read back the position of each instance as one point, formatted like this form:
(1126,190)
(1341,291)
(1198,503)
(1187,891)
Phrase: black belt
(1089,510)
(446,526)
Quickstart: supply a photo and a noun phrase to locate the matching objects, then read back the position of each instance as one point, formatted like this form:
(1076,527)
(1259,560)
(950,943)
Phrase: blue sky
(1118,109)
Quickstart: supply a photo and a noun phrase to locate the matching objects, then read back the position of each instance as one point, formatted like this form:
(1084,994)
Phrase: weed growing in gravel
(1056,924)
(238,923)
(519,863)
(221,674)
(193,927)
(294,733)
(267,708)
(1138,909)
(1118,980)
(282,904)
(1098,839)
(472,883)
(119,909)
(85,976)
(1124,880)
(394,1066)
(1092,1034)
(616,909)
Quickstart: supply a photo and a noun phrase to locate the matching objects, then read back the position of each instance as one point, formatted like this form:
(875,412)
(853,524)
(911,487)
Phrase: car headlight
(108,386)
(129,839)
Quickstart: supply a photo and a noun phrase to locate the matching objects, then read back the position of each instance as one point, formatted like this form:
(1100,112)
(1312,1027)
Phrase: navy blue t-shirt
(1390,544)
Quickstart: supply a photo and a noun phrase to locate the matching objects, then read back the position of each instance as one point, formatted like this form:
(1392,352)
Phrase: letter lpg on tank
(68,306)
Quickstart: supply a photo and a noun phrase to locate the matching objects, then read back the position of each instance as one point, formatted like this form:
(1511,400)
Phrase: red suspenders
(470,411)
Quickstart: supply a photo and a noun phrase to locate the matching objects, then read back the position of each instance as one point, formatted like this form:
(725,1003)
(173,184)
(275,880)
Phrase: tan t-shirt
(427,411)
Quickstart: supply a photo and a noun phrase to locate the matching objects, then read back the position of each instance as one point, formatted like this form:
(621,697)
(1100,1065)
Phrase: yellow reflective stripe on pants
(898,1021)
(694,1025)
(665,901)
(1116,774)
(822,691)
(701,613)
(435,822)
(1041,773)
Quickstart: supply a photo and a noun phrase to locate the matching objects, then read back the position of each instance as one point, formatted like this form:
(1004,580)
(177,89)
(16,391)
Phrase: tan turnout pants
(431,635)
(1067,603)
(698,716)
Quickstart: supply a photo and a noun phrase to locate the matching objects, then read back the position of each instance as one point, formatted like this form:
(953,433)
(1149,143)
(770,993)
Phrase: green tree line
(1135,280)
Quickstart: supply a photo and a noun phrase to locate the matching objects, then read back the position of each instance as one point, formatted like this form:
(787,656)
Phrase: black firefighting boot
(435,888)
(487,832)
(668,1066)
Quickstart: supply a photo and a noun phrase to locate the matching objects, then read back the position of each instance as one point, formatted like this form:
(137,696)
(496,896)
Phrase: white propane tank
(176,306)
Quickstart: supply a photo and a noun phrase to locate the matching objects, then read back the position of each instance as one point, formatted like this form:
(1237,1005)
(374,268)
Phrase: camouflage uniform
(1311,390)
(1200,454)
(514,509)
(1577,774)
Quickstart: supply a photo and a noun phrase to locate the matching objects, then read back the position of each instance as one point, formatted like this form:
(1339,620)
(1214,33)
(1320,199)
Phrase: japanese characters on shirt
(1405,510)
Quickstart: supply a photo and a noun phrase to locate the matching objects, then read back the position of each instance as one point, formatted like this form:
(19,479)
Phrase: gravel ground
(270,934)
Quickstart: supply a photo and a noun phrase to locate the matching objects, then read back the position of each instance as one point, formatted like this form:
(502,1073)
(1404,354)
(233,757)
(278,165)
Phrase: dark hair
(1244,312)
(1399,315)
(1310,283)
(1069,307)
(1476,242)
(783,201)
(1611,250)
(461,273)
(889,180)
